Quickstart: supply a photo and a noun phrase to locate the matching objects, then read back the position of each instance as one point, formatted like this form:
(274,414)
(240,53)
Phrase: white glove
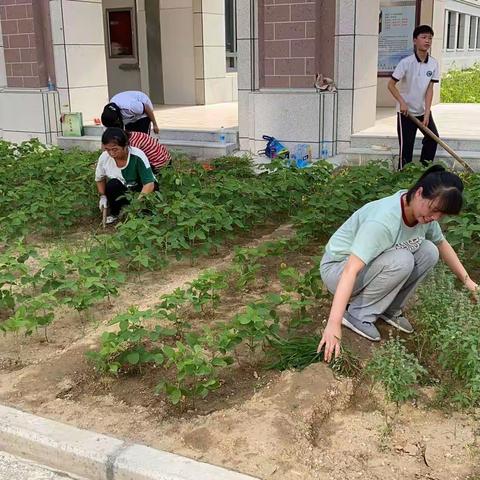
(102,202)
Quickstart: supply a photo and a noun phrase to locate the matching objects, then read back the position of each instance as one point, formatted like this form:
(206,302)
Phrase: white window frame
(475,27)
(477,39)
(447,15)
(459,16)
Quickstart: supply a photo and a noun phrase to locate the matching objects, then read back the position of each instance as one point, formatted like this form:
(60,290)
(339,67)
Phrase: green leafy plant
(170,308)
(396,369)
(205,289)
(32,314)
(447,335)
(461,86)
(14,273)
(258,323)
(127,347)
(196,372)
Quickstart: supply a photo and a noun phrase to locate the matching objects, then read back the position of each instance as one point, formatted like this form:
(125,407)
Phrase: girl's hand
(331,339)
(473,287)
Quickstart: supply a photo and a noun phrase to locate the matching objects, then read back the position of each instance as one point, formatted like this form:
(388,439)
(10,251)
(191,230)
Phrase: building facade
(59,56)
(180,52)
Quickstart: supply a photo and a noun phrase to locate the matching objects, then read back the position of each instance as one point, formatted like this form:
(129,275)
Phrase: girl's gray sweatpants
(384,285)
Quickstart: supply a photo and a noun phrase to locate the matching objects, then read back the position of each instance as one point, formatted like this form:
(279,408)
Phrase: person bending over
(131,110)
(374,262)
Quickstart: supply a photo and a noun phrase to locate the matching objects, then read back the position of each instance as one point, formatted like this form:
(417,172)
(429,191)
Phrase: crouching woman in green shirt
(121,168)
(376,259)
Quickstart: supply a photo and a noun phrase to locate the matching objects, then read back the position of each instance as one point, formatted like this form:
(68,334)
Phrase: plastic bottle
(324,152)
(50,85)
(222,137)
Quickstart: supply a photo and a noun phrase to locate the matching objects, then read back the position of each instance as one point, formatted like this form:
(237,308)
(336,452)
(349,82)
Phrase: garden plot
(181,331)
(289,425)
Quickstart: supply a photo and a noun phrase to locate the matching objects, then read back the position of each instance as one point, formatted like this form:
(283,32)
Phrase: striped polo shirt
(157,154)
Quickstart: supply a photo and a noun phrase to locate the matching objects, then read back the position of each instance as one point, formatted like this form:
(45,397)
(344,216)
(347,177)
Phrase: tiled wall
(79,52)
(212,83)
(288,43)
(356,46)
(23,43)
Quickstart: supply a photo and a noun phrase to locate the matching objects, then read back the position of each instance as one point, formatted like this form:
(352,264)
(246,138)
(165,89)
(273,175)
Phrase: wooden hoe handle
(450,150)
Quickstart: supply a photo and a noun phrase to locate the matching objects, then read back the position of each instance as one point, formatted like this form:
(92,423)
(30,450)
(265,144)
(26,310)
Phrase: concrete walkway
(14,468)
(453,120)
(198,117)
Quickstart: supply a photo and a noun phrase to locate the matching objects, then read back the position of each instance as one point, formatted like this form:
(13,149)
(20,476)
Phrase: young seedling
(204,291)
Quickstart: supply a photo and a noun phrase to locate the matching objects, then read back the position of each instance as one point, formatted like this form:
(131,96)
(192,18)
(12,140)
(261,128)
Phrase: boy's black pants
(407,130)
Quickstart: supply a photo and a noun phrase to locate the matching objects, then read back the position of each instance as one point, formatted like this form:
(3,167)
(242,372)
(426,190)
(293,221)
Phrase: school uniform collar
(418,58)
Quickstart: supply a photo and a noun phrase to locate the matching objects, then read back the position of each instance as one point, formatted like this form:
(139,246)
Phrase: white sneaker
(111,219)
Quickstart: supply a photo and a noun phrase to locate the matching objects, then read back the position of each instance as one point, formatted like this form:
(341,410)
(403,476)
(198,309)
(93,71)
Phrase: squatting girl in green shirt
(376,259)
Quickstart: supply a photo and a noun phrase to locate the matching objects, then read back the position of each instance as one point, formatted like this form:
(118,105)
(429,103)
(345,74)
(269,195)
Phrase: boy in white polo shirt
(415,75)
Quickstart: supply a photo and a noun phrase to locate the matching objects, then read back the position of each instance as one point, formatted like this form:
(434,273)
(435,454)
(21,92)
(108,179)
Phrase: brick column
(289,47)
(3,73)
(24,31)
(295,39)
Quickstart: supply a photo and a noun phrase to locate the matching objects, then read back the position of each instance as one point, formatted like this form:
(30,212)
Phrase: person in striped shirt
(157,154)
(121,168)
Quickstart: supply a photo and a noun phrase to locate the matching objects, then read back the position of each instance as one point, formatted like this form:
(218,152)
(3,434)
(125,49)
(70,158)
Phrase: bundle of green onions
(299,352)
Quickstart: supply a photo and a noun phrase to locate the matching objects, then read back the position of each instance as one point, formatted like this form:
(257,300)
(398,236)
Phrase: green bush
(43,189)
(396,369)
(448,333)
(461,86)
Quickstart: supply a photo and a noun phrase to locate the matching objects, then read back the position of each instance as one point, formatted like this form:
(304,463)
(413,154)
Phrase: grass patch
(461,86)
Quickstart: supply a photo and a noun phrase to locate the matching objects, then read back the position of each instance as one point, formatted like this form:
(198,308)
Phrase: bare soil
(290,425)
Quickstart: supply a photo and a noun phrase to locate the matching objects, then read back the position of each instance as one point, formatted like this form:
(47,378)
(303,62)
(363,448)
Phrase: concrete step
(359,140)
(231,135)
(201,150)
(201,135)
(93,130)
(197,149)
(360,156)
(89,143)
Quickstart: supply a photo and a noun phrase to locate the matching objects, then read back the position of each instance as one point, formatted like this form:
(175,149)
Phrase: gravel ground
(14,468)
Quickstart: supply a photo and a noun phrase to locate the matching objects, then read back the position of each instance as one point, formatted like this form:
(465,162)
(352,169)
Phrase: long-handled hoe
(446,147)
